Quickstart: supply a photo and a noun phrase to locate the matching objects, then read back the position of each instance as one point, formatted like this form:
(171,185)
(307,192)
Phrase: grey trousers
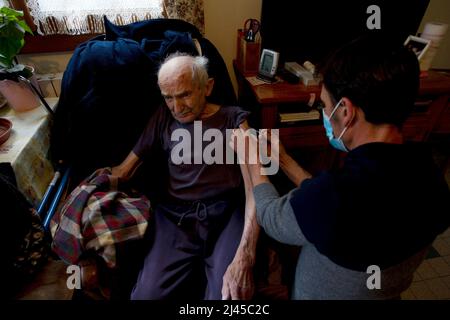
(192,245)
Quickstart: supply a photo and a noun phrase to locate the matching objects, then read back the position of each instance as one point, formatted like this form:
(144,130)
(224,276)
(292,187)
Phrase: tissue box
(305,76)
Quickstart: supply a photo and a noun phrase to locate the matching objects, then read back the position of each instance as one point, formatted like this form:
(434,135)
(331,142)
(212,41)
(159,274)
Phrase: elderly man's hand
(127,168)
(238,280)
(116,171)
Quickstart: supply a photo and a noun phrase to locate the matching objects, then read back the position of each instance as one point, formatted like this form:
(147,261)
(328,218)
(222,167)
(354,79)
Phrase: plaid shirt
(97,216)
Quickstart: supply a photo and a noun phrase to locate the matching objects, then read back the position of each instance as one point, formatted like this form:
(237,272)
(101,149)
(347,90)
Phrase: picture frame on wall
(418,45)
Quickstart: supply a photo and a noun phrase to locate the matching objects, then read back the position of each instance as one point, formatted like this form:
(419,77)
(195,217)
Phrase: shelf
(287,117)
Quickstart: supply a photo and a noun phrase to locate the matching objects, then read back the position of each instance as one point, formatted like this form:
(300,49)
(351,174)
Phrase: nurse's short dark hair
(378,74)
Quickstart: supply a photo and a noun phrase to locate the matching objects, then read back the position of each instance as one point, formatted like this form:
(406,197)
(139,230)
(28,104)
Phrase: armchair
(109,91)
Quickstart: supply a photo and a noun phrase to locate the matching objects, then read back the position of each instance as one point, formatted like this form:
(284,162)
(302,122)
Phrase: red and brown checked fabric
(96,216)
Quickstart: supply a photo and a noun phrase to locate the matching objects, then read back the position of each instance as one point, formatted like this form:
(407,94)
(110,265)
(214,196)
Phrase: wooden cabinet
(431,114)
(264,101)
(306,141)
(442,125)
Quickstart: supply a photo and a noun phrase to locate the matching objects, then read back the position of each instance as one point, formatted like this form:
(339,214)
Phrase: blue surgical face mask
(335,142)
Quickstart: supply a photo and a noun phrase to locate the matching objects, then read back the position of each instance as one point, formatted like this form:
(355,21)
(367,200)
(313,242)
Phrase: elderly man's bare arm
(128,167)
(238,280)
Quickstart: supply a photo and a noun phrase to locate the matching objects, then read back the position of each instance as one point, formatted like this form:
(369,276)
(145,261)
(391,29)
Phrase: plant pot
(19,95)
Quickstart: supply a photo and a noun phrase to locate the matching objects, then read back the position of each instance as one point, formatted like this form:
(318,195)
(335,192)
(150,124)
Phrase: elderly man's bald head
(184,84)
(179,64)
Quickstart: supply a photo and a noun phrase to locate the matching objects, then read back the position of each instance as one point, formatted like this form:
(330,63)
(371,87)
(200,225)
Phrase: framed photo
(418,45)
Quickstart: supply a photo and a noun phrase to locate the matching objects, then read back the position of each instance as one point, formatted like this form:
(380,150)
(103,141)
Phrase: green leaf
(10,48)
(12,33)
(3,62)
(11,12)
(25,27)
(19,27)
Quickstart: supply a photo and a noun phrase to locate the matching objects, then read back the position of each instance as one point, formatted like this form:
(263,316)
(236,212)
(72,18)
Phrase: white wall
(223,19)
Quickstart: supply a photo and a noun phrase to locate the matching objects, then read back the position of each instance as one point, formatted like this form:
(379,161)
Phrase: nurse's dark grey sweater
(384,207)
(317,277)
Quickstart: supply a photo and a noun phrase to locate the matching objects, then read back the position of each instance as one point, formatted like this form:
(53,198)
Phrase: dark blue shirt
(386,203)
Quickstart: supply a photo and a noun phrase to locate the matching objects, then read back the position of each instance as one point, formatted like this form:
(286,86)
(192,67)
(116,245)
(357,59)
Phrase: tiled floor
(432,279)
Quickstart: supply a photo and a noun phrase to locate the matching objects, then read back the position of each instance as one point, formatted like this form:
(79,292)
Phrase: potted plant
(12,32)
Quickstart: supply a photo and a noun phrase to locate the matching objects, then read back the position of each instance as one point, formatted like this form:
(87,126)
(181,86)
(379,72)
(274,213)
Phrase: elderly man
(203,243)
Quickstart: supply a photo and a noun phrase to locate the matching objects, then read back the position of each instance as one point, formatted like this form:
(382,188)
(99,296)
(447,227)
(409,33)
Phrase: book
(299,116)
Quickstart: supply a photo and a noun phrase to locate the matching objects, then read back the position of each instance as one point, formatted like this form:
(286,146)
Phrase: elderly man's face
(184,98)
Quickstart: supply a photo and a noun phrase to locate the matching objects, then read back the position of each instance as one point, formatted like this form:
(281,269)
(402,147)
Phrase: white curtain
(86,16)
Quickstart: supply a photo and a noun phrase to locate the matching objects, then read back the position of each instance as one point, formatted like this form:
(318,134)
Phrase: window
(60,25)
(86,16)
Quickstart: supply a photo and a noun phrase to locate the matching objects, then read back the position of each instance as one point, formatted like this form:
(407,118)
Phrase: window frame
(50,43)
(64,42)
(53,43)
